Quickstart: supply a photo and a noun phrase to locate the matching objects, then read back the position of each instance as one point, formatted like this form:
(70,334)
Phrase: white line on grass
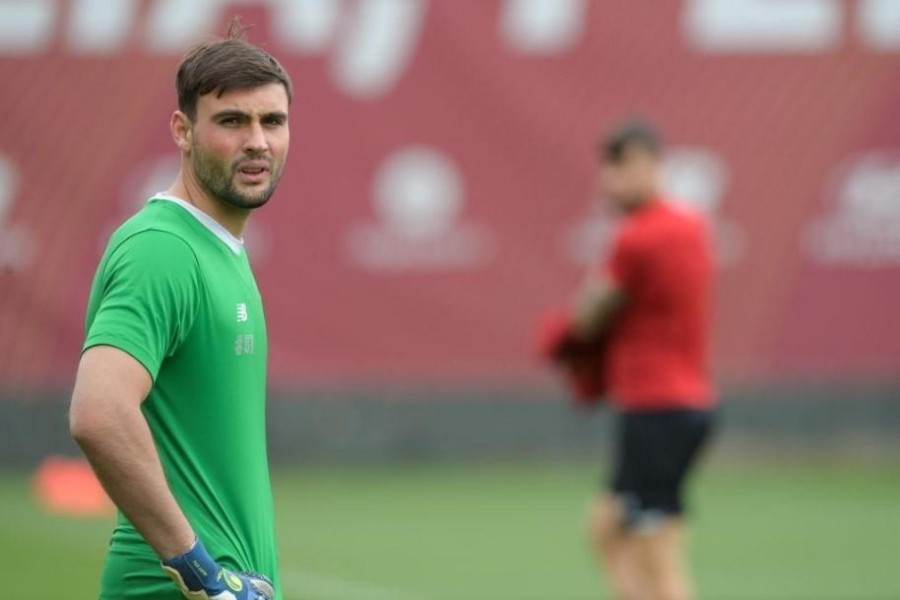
(305,585)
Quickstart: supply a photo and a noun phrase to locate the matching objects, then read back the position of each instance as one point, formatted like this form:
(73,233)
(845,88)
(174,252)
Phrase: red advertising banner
(439,188)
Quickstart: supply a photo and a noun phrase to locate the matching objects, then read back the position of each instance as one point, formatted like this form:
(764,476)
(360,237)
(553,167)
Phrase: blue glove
(202,578)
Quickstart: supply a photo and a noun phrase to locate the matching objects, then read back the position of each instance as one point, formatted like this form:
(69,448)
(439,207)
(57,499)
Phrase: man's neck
(233,219)
(641,204)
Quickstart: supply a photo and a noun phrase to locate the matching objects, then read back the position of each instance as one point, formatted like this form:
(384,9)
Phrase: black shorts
(653,455)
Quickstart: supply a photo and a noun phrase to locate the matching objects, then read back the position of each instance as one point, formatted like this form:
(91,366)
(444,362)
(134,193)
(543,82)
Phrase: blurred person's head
(629,157)
(231,123)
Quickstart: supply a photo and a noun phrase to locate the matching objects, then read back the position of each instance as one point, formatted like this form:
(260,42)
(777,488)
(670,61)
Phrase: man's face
(239,142)
(631,180)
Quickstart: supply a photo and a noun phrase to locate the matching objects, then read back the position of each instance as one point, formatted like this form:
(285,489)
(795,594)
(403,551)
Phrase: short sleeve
(626,258)
(149,290)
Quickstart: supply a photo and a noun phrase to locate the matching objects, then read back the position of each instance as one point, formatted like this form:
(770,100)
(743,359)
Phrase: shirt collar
(234,244)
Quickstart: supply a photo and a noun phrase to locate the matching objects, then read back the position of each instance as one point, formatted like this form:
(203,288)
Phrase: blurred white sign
(862,225)
(370,43)
(17,243)
(543,26)
(778,26)
(26,27)
(763,25)
(879,24)
(418,198)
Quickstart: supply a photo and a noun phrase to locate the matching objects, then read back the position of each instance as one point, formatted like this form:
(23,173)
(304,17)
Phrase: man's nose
(256,139)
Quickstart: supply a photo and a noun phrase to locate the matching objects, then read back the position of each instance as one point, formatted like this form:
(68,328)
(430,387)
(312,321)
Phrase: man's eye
(230,121)
(274,121)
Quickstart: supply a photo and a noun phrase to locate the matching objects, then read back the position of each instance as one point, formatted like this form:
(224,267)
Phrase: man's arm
(596,306)
(107,422)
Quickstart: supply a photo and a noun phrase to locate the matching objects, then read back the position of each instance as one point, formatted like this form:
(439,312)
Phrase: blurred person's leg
(662,558)
(615,550)
(611,538)
(642,565)
(654,455)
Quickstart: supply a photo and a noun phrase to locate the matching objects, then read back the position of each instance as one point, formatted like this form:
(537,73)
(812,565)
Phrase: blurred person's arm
(596,306)
(107,422)
(605,292)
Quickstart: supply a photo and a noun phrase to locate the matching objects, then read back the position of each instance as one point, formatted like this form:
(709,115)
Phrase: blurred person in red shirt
(649,303)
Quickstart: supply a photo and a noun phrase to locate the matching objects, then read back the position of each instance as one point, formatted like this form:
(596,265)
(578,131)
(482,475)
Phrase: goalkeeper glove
(581,361)
(202,578)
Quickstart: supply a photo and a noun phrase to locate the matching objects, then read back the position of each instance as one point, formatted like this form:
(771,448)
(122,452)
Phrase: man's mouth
(253,171)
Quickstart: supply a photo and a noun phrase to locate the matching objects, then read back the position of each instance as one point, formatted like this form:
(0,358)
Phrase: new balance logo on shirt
(243,343)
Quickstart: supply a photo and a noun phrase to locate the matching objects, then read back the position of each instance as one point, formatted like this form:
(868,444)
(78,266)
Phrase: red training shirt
(658,347)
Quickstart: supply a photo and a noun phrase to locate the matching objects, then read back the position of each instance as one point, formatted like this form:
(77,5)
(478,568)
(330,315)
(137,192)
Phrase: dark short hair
(634,133)
(221,65)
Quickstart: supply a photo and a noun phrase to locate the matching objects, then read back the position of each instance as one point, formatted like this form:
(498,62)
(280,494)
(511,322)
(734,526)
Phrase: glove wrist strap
(197,568)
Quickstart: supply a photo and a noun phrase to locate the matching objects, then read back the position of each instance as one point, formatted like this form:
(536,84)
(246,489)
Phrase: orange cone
(68,486)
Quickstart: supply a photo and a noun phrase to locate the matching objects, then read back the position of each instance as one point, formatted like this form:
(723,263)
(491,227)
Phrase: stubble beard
(217,180)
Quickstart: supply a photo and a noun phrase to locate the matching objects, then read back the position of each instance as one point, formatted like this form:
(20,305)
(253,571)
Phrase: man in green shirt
(169,401)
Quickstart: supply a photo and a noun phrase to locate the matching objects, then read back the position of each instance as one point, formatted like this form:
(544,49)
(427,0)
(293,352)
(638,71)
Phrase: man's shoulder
(156,215)
(154,237)
(156,224)
(675,213)
(663,218)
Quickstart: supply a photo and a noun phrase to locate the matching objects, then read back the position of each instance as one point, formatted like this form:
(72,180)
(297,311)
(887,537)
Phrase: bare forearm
(596,307)
(120,448)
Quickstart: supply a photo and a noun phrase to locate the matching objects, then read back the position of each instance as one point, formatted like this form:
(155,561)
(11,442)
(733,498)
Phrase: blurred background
(439,194)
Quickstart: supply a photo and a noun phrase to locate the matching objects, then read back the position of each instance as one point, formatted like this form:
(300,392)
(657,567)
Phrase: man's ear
(180,126)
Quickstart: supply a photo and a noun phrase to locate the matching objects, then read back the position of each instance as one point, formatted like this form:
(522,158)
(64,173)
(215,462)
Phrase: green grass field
(504,532)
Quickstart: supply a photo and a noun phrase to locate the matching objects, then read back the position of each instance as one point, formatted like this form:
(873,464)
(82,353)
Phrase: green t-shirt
(176,292)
